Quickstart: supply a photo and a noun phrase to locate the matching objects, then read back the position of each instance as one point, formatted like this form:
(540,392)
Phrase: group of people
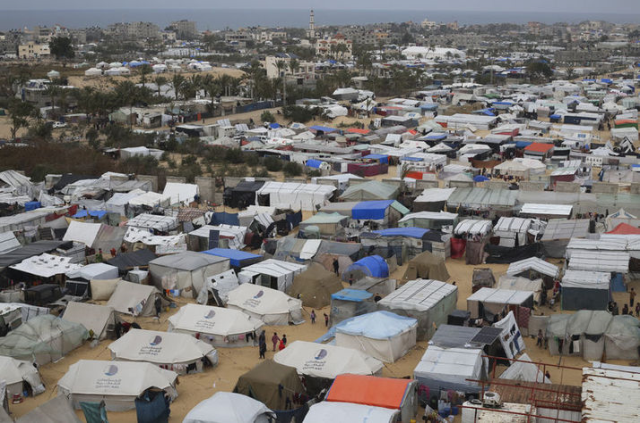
(279,343)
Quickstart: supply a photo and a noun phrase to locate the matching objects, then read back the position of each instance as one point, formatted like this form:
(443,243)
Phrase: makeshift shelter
(517,283)
(43,339)
(56,410)
(94,271)
(188,270)
(323,412)
(393,394)
(127,261)
(579,334)
(295,196)
(271,306)
(315,286)
(134,299)
(275,385)
(95,235)
(320,364)
(487,303)
(373,266)
(380,334)
(348,303)
(429,220)
(402,243)
(157,223)
(237,259)
(482,277)
(622,338)
(225,407)
(558,232)
(432,199)
(510,337)
(215,290)
(384,212)
(370,190)
(181,193)
(444,369)
(470,238)
(217,326)
(46,266)
(524,370)
(228,236)
(426,266)
(512,231)
(428,301)
(328,224)
(96,318)
(174,351)
(20,376)
(243,194)
(534,268)
(271,273)
(584,290)
(117,383)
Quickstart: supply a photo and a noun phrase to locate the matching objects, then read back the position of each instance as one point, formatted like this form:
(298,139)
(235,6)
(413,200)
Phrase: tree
(267,116)
(539,69)
(292,169)
(282,67)
(19,111)
(52,91)
(61,48)
(160,81)
(294,65)
(144,70)
(177,84)
(273,164)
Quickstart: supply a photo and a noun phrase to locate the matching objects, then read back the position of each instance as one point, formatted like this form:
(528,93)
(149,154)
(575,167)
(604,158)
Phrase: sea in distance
(217,19)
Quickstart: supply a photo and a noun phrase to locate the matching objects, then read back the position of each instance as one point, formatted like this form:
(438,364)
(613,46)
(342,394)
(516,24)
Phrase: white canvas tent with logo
(174,351)
(187,270)
(227,407)
(117,383)
(94,317)
(220,327)
(327,361)
(17,373)
(134,299)
(269,305)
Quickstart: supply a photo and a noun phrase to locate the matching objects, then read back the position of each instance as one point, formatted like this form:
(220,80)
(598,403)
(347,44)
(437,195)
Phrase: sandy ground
(235,361)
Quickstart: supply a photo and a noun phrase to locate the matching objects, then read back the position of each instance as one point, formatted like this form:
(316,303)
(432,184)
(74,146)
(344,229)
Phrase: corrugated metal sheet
(533,263)
(547,209)
(610,395)
(566,229)
(600,261)
(477,198)
(584,279)
(512,224)
(473,227)
(433,195)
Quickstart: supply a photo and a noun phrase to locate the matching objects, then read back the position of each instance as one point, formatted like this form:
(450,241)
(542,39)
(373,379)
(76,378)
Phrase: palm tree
(282,67)
(144,71)
(127,93)
(177,84)
(160,81)
(294,66)
(52,91)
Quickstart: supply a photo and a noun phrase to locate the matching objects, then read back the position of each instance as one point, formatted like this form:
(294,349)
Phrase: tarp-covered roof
(370,190)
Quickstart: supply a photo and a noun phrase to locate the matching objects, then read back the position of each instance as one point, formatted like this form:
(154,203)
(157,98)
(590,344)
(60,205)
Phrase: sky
(592,6)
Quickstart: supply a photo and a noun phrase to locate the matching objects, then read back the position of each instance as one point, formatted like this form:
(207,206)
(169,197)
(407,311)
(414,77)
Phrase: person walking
(313,317)
(284,339)
(281,346)
(262,344)
(158,305)
(326,320)
(637,309)
(336,266)
(275,339)
(540,337)
(632,297)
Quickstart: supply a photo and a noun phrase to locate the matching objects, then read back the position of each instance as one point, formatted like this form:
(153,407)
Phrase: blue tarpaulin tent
(32,205)
(370,209)
(236,258)
(410,232)
(224,218)
(523,144)
(380,157)
(436,137)
(480,178)
(313,163)
(274,125)
(93,213)
(371,266)
(325,129)
(355,295)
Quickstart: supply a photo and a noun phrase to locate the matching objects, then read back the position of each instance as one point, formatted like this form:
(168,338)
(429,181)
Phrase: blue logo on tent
(156,340)
(259,294)
(321,354)
(210,315)
(111,370)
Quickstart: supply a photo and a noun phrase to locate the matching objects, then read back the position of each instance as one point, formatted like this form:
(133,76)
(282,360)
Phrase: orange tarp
(369,390)
(625,229)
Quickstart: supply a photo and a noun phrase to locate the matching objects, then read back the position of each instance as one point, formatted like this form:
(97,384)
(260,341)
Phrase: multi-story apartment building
(32,50)
(185,29)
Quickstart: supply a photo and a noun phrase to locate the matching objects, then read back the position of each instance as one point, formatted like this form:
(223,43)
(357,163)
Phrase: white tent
(218,286)
(187,270)
(226,407)
(8,242)
(487,302)
(133,299)
(219,327)
(181,193)
(272,273)
(296,196)
(179,352)
(324,412)
(152,221)
(94,271)
(94,317)
(57,410)
(327,361)
(511,338)
(117,383)
(517,283)
(150,199)
(448,369)
(118,203)
(93,72)
(94,235)
(234,235)
(429,301)
(46,265)
(16,373)
(271,306)
(524,370)
(381,334)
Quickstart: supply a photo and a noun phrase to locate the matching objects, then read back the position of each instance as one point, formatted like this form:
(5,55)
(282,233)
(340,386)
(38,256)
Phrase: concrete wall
(207,187)
(532,186)
(149,178)
(497,185)
(604,188)
(635,188)
(460,184)
(177,179)
(420,185)
(567,187)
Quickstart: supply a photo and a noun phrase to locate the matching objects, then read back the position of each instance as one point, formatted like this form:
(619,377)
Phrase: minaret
(312,26)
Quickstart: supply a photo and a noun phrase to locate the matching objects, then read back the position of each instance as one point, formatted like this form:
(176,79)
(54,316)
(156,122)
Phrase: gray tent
(57,410)
(371,190)
(188,270)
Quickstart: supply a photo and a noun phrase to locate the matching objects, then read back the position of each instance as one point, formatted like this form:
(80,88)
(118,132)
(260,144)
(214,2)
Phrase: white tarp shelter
(327,361)
(524,370)
(179,352)
(94,317)
(155,222)
(181,193)
(296,196)
(187,270)
(227,407)
(234,234)
(449,368)
(46,265)
(16,373)
(487,302)
(94,271)
(275,274)
(133,299)
(117,383)
(218,326)
(271,306)
(324,412)
(381,334)
(511,338)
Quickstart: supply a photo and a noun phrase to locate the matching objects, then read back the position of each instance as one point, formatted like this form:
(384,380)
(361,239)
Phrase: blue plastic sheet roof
(313,163)
(480,178)
(436,137)
(372,266)
(274,125)
(381,157)
(376,325)
(410,232)
(32,205)
(355,295)
(412,159)
(370,209)
(235,256)
(93,213)
(523,144)
(325,129)
(555,116)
